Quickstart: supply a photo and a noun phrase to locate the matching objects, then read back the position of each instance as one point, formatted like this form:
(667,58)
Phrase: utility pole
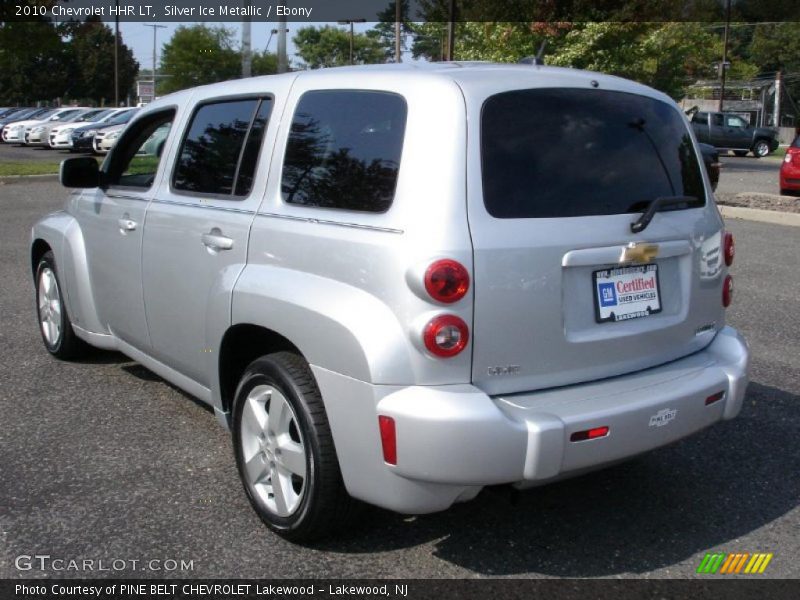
(350,22)
(777,116)
(451,30)
(283,63)
(724,65)
(155,29)
(247,53)
(398,25)
(116,56)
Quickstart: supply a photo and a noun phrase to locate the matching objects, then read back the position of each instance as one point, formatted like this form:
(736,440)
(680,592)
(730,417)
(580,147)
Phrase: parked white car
(61,135)
(14,132)
(39,133)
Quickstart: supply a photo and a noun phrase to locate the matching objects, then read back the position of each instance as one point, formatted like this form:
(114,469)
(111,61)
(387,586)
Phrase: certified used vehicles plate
(626,293)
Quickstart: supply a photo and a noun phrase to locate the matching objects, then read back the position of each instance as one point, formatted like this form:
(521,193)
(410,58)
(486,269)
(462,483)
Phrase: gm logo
(608,295)
(734,564)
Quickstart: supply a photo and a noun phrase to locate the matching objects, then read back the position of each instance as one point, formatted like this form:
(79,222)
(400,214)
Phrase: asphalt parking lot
(104,460)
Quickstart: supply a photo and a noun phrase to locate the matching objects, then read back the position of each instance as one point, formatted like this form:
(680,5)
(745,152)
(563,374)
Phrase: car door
(196,233)
(112,221)
(737,132)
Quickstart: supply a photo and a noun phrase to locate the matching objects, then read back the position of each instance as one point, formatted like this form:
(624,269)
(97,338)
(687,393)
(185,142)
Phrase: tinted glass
(210,151)
(575,152)
(344,150)
(701,118)
(247,167)
(716,120)
(120,118)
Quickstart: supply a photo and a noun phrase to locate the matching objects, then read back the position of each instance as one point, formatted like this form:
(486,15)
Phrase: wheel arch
(241,344)
(39,248)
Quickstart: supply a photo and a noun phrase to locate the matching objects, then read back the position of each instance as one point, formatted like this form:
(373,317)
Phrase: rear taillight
(445,335)
(446,281)
(727,291)
(388,439)
(729,249)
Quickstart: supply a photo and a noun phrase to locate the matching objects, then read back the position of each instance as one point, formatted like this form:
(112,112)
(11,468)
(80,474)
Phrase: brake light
(447,281)
(727,291)
(589,434)
(388,439)
(445,335)
(729,248)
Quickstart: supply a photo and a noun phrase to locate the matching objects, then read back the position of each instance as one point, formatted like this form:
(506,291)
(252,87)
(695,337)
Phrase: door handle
(214,240)
(126,224)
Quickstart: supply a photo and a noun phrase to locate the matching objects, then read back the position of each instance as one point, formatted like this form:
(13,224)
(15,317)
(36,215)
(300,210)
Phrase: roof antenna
(537,60)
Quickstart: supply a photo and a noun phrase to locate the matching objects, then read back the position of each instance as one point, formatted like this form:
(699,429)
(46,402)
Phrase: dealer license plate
(626,293)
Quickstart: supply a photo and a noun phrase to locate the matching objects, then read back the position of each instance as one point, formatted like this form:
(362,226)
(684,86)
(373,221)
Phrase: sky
(139,37)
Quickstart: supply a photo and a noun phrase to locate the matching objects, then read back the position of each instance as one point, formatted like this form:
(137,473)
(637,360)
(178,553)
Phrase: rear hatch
(564,291)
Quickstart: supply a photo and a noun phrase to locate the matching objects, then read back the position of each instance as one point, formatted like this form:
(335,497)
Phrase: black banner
(418,10)
(478,589)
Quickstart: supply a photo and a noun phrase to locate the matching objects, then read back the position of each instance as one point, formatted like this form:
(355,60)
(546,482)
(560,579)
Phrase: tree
(265,63)
(384,30)
(330,47)
(32,59)
(91,53)
(197,55)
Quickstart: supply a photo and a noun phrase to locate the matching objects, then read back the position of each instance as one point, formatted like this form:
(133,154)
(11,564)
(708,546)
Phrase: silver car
(399,284)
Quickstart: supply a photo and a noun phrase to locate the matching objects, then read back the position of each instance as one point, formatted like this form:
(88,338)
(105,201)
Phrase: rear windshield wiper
(654,206)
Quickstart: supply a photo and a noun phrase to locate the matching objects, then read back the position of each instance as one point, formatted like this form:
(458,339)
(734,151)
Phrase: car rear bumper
(453,440)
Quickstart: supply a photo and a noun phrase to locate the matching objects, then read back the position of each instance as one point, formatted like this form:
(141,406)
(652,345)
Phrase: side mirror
(82,172)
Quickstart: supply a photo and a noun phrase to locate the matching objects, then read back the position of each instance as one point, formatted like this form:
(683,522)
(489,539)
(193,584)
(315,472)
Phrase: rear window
(576,152)
(344,150)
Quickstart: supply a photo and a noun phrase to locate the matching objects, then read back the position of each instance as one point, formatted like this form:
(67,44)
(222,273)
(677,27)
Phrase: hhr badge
(663,417)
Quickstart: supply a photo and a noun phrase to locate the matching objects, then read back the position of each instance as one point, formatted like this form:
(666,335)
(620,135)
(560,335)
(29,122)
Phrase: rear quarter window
(344,150)
(573,152)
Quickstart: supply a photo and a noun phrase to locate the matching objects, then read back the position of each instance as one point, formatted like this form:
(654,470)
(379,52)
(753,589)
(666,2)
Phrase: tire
(54,324)
(310,501)
(740,153)
(760,148)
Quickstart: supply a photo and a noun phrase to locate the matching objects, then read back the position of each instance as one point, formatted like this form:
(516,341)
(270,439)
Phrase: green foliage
(91,50)
(32,63)
(197,55)
(264,63)
(330,47)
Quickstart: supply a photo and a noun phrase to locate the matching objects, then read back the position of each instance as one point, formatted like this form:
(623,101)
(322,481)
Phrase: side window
(716,120)
(344,150)
(701,118)
(735,122)
(219,153)
(135,158)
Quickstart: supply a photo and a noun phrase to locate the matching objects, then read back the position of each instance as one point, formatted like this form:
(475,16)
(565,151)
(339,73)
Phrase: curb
(760,215)
(16,178)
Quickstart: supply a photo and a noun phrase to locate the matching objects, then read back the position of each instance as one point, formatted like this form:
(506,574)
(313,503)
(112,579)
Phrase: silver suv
(400,284)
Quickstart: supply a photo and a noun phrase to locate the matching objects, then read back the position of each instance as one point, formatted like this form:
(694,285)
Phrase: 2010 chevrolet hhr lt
(400,284)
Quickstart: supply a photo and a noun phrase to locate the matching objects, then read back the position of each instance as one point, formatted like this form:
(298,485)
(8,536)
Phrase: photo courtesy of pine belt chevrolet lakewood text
(393,286)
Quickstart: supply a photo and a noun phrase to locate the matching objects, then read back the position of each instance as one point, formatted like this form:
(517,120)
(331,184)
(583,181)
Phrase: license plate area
(625,293)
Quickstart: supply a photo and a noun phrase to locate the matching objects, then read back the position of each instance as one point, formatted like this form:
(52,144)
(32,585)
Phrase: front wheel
(54,324)
(760,149)
(284,450)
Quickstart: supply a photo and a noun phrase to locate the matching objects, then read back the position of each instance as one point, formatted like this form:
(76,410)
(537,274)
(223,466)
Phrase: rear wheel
(760,148)
(284,450)
(54,324)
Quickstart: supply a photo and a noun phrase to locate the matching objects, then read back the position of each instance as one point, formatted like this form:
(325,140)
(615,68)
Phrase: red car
(790,169)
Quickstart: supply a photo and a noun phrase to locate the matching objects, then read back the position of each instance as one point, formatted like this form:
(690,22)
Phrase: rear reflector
(589,434)
(388,439)
(714,397)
